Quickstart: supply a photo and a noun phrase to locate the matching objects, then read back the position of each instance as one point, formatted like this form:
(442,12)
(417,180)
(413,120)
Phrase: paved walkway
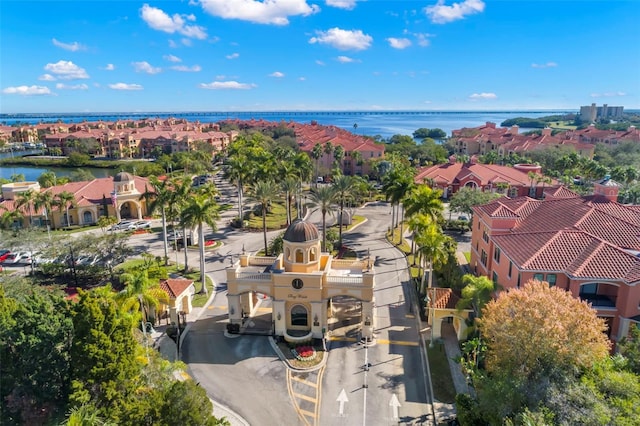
(167,347)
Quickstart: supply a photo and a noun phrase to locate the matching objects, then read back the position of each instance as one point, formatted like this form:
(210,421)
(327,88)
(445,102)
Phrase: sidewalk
(167,347)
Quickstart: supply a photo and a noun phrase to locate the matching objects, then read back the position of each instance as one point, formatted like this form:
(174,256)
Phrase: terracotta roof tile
(445,298)
(175,287)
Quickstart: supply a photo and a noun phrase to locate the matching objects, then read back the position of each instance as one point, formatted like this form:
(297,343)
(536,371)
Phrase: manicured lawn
(467,255)
(276,217)
(443,388)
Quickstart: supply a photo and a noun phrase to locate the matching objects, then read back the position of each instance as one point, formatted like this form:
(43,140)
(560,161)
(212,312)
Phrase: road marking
(396,342)
(409,316)
(217,307)
(306,382)
(342,398)
(308,414)
(305,397)
(394,404)
(343,339)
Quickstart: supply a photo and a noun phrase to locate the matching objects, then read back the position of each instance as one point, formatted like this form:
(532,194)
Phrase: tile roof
(485,173)
(587,237)
(445,298)
(175,287)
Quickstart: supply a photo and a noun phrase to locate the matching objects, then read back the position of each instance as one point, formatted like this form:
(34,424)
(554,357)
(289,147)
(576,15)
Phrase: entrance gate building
(301,282)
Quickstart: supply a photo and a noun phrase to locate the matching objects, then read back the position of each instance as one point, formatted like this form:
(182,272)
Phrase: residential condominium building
(592,112)
(587,245)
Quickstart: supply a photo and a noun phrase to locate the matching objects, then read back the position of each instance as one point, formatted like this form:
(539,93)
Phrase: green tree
(316,154)
(66,200)
(323,199)
(25,201)
(161,201)
(47,179)
(9,219)
(344,189)
(424,200)
(187,403)
(291,188)
(35,336)
(45,200)
(476,293)
(466,198)
(141,295)
(104,364)
(76,159)
(264,193)
(201,209)
(338,157)
(432,247)
(629,347)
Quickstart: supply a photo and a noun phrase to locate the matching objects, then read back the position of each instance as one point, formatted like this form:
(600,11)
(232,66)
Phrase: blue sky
(249,55)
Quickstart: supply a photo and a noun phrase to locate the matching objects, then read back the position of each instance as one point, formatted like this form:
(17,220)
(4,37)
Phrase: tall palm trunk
(240,203)
(324,231)
(340,222)
(184,245)
(264,229)
(203,276)
(164,236)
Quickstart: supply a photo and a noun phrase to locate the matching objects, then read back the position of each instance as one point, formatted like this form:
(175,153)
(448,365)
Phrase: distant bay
(371,123)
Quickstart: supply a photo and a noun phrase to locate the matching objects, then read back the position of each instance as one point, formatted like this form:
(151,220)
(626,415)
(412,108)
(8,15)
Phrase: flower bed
(209,243)
(304,353)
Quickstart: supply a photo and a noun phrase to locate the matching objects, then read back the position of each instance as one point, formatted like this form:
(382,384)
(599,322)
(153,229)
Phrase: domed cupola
(124,183)
(301,231)
(301,246)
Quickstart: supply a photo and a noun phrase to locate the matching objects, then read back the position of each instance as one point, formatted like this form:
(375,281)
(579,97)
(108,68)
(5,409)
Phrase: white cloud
(423,39)
(276,74)
(233,56)
(110,67)
(161,21)
(73,47)
(27,90)
(184,68)
(145,67)
(343,39)
(547,65)
(125,86)
(302,78)
(345,59)
(172,58)
(61,86)
(319,62)
(274,12)
(173,44)
(47,77)
(399,43)
(442,14)
(483,95)
(608,94)
(342,4)
(231,85)
(186,41)
(66,70)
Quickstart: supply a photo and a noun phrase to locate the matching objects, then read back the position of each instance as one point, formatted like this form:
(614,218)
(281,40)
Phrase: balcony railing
(253,276)
(262,260)
(342,279)
(599,300)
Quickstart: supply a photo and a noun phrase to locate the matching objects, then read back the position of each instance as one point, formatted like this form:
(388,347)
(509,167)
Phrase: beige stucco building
(302,284)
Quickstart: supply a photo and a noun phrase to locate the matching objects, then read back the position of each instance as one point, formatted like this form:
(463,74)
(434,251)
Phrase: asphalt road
(245,374)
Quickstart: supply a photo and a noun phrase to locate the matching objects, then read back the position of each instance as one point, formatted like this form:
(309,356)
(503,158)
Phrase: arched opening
(299,256)
(313,255)
(471,185)
(288,254)
(128,210)
(299,316)
(87,217)
(344,316)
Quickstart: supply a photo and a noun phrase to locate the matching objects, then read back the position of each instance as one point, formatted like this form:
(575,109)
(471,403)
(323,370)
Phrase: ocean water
(371,123)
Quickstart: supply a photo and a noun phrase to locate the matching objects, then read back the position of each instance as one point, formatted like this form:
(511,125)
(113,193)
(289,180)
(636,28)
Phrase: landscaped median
(309,355)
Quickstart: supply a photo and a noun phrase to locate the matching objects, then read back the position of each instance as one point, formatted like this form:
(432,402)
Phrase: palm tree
(476,293)
(65,200)
(163,194)
(237,169)
(343,187)
(201,209)
(290,187)
(424,200)
(316,154)
(25,201)
(182,186)
(264,192)
(9,218)
(44,200)
(432,247)
(140,294)
(338,156)
(323,199)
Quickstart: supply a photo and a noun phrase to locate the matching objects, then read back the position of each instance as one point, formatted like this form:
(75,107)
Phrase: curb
(284,360)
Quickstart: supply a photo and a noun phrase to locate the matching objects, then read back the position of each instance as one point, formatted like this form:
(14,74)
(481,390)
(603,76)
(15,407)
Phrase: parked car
(125,225)
(4,254)
(143,224)
(19,258)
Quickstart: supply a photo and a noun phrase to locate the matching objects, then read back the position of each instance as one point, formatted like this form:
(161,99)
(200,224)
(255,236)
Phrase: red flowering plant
(209,243)
(304,353)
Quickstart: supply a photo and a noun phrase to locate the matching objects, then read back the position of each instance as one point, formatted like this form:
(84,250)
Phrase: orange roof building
(588,245)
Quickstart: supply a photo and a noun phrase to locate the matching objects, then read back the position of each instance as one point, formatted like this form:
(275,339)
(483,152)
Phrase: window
(539,277)
(299,316)
(483,258)
(496,254)
(510,268)
(589,289)
(551,279)
(485,236)
(495,277)
(518,283)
